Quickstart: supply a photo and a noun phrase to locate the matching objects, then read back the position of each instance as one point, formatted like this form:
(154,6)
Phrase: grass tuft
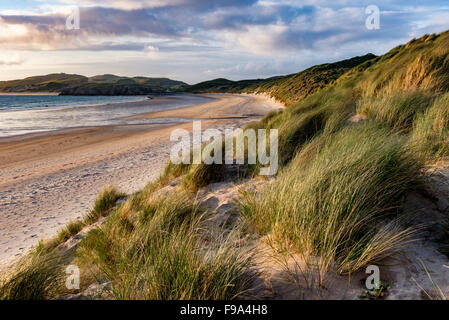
(431,129)
(333,204)
(105,201)
(398,110)
(154,251)
(38,277)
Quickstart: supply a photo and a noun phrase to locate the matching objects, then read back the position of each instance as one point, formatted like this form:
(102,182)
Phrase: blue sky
(195,40)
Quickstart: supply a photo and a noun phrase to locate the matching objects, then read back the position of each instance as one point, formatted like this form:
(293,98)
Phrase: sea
(24,114)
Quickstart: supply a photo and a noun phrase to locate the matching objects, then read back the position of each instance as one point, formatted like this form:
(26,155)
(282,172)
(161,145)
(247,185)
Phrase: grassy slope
(222,85)
(338,195)
(349,180)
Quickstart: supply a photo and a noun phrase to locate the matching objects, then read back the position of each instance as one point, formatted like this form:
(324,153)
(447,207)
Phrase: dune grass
(421,64)
(431,129)
(398,110)
(200,175)
(436,293)
(194,176)
(172,171)
(152,249)
(37,276)
(104,202)
(332,206)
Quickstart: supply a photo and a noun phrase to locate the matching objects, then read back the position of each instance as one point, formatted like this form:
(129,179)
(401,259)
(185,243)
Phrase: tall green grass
(104,202)
(37,276)
(332,205)
(398,110)
(154,250)
(421,64)
(431,129)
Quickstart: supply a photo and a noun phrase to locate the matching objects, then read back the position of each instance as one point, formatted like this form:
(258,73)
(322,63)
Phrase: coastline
(48,179)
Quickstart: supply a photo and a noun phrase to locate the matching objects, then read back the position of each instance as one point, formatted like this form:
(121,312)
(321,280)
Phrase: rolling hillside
(49,83)
(102,84)
(222,85)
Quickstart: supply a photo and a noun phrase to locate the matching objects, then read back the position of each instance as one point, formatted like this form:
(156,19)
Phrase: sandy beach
(48,179)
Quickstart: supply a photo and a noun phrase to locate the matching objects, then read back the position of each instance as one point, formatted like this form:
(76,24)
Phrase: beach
(50,178)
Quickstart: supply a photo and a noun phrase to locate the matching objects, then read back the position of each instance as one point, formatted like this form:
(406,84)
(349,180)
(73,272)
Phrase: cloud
(15,61)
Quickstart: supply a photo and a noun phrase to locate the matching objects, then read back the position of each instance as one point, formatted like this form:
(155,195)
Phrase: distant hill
(288,89)
(222,85)
(54,82)
(107,84)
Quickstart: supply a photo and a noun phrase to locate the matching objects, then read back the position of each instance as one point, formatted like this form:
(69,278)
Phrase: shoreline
(218,109)
(48,179)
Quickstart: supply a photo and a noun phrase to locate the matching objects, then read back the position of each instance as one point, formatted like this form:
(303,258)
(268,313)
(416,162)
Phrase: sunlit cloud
(12,61)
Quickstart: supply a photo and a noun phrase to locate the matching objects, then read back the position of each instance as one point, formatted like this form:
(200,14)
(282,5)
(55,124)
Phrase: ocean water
(23,114)
(35,102)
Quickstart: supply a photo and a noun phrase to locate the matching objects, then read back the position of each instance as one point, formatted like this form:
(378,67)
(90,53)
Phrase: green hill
(49,83)
(109,84)
(222,85)
(113,79)
(72,83)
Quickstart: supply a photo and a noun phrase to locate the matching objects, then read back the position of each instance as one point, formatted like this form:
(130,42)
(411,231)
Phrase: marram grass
(154,251)
(333,205)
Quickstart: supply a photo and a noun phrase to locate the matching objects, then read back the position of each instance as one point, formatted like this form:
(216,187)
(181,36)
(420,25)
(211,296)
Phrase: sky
(197,40)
